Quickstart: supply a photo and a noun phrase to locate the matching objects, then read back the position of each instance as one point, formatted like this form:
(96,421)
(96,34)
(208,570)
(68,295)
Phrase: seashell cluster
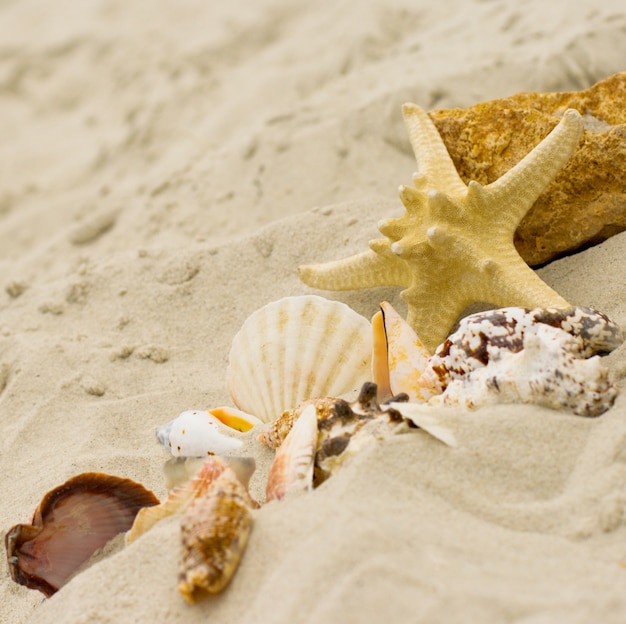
(563,373)
(302,358)
(294,349)
(318,437)
(541,356)
(297,363)
(72,521)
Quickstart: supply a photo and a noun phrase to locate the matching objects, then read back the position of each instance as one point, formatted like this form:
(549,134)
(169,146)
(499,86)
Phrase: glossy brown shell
(72,521)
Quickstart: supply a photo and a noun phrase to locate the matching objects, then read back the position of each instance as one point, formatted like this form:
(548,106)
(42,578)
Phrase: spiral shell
(294,349)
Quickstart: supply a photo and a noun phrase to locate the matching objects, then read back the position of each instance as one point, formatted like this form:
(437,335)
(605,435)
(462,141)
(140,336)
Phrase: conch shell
(398,358)
(516,355)
(199,433)
(214,530)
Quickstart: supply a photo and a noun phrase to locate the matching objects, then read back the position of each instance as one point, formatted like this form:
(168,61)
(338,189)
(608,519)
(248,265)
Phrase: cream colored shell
(298,348)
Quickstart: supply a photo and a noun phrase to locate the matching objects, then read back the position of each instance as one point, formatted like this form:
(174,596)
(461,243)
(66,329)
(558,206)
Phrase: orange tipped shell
(399,357)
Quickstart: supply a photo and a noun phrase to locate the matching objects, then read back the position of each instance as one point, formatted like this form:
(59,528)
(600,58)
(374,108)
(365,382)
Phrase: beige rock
(586,202)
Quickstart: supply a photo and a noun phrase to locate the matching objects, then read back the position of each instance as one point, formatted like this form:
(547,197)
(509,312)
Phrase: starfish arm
(433,159)
(513,282)
(519,188)
(364,270)
(432,312)
(439,294)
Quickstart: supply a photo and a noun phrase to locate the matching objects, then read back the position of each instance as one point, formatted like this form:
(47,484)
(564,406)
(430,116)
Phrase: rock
(586,203)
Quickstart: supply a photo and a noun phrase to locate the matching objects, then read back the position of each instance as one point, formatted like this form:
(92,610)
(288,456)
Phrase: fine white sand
(165,167)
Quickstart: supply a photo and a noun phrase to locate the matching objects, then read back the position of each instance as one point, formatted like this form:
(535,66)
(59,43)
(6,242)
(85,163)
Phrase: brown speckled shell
(516,355)
(214,530)
(342,430)
(483,336)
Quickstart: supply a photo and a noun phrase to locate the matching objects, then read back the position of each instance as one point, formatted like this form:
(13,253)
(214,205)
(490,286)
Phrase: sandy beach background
(164,168)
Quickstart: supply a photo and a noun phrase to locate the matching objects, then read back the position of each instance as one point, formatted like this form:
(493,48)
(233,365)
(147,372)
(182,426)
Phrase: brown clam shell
(214,530)
(72,521)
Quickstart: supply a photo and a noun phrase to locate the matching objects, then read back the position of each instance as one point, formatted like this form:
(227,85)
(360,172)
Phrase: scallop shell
(198,433)
(214,531)
(72,521)
(294,349)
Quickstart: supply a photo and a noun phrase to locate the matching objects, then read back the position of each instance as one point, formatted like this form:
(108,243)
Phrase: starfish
(454,245)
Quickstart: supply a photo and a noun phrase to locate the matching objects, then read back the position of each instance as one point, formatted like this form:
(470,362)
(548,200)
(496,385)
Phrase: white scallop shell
(298,348)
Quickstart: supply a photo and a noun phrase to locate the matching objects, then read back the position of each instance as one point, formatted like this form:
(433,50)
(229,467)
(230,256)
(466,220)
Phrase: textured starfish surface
(454,245)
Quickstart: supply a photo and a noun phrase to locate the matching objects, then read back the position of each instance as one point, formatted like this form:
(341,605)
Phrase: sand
(165,168)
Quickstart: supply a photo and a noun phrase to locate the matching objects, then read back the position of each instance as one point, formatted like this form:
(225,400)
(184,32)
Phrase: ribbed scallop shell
(298,348)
